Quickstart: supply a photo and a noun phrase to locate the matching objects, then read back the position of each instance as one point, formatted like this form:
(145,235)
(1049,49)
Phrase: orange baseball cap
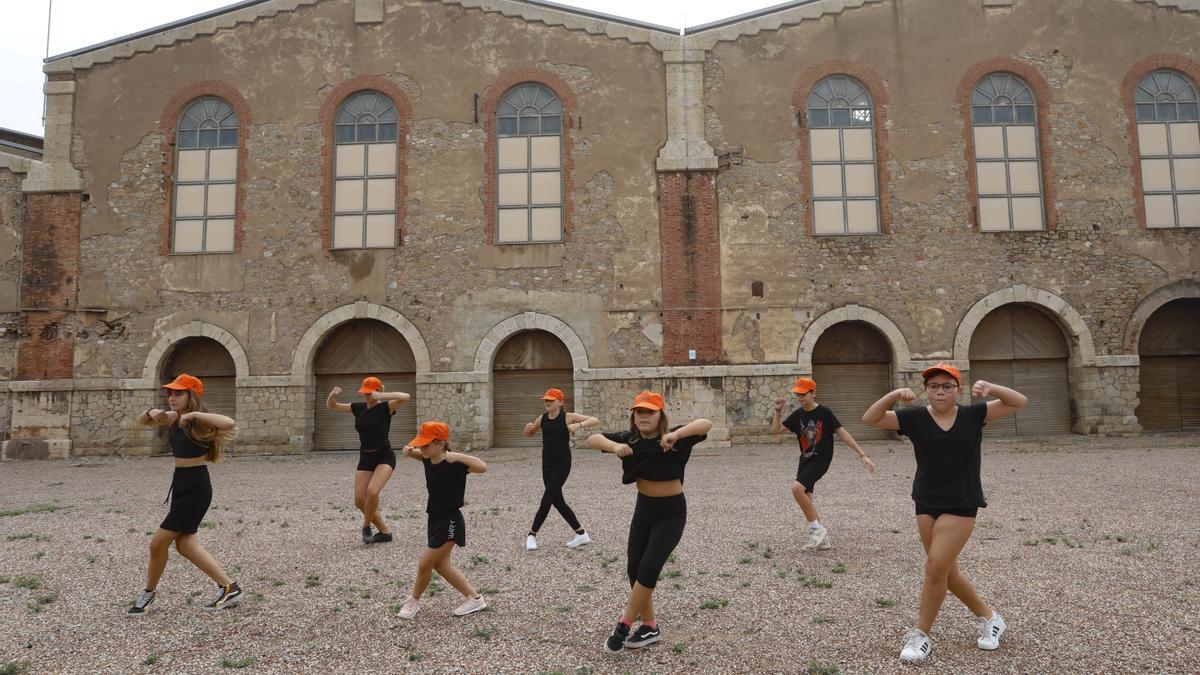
(804,385)
(943,367)
(431,431)
(553,393)
(186,382)
(648,400)
(370,384)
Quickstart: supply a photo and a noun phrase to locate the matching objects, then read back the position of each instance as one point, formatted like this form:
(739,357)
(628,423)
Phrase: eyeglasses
(943,386)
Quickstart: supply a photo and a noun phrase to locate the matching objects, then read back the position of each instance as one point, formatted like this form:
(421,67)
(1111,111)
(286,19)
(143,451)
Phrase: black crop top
(182,444)
(650,462)
(373,425)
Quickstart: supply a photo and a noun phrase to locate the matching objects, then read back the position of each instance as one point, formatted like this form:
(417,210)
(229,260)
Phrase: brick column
(49,285)
(691,266)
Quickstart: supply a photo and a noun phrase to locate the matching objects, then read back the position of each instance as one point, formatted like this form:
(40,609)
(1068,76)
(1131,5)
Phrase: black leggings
(655,531)
(554,479)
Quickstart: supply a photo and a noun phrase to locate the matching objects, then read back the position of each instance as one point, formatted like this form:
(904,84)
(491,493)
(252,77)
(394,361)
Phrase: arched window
(1007,157)
(845,187)
(529,177)
(205,178)
(1168,127)
(366,130)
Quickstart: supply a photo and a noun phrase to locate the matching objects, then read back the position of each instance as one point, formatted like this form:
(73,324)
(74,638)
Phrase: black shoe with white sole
(381,538)
(616,642)
(642,636)
(229,596)
(367,535)
(141,604)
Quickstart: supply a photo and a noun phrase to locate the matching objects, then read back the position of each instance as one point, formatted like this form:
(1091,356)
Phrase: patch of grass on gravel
(815,667)
(839,568)
(32,583)
(885,602)
(714,604)
(37,508)
(14,667)
(15,537)
(820,620)
(679,648)
(238,663)
(485,633)
(312,580)
(151,659)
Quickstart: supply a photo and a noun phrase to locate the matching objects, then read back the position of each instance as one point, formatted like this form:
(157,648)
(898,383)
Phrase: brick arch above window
(168,124)
(1140,70)
(1043,95)
(881,103)
(487,111)
(329,110)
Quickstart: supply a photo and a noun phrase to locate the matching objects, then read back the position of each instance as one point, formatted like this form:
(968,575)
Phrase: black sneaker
(141,604)
(644,635)
(367,534)
(616,642)
(381,538)
(229,596)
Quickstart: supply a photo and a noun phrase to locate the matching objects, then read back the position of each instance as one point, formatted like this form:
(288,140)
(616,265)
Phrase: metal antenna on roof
(49,14)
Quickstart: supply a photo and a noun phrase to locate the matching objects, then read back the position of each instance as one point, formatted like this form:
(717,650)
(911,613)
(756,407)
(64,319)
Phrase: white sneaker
(990,631)
(531,543)
(470,605)
(579,540)
(818,539)
(410,608)
(917,646)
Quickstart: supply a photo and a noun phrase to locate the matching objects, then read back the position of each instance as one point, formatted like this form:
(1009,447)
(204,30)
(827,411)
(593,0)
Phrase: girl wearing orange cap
(376,460)
(814,426)
(654,458)
(556,428)
(196,438)
(946,438)
(446,480)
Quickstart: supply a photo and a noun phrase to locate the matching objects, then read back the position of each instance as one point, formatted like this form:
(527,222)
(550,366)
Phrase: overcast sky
(80,23)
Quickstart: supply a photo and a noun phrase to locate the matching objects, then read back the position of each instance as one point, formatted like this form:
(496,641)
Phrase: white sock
(814,524)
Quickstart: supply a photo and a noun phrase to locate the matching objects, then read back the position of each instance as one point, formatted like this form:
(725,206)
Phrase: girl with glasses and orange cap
(556,427)
(376,459)
(947,490)
(196,438)
(653,457)
(446,480)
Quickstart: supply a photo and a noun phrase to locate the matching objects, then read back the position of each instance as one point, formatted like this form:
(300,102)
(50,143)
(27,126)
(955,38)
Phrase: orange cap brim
(177,387)
(364,390)
(930,371)
(421,441)
(645,406)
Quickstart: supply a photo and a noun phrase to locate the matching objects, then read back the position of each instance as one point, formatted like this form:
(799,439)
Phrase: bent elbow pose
(556,426)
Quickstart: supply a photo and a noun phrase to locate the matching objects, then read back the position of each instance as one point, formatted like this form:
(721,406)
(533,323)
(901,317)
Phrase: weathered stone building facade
(809,190)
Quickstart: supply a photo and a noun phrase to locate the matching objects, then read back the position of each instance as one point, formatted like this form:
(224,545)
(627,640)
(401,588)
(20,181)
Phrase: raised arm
(581,421)
(1008,401)
(157,418)
(599,442)
(331,401)
(412,453)
(776,425)
(211,419)
(394,399)
(533,427)
(880,415)
(697,427)
(474,464)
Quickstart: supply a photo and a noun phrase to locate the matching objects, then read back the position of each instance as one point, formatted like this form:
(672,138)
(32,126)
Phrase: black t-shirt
(649,461)
(814,432)
(556,441)
(947,461)
(372,424)
(447,485)
(183,445)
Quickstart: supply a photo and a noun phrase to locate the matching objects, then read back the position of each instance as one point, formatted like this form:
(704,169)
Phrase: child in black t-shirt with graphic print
(814,426)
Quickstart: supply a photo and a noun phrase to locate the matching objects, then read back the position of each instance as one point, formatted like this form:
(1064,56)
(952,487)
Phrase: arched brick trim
(1128,86)
(154,360)
(487,110)
(900,354)
(530,321)
(329,112)
(1188,288)
(882,104)
(1043,93)
(1079,336)
(306,349)
(167,125)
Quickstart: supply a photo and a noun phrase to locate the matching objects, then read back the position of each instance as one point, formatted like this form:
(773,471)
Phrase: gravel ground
(1088,549)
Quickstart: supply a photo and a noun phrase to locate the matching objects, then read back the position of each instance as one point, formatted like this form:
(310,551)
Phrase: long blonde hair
(663,426)
(216,439)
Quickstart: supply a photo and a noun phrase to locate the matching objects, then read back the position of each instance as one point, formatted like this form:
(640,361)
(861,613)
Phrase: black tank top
(182,445)
(373,425)
(556,441)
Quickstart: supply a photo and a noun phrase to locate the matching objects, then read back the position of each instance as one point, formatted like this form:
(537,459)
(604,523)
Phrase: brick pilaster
(691,267)
(49,285)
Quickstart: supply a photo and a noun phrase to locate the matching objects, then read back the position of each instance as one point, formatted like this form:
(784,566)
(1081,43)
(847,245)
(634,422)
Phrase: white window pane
(220,199)
(828,217)
(989,142)
(1022,142)
(513,153)
(513,226)
(1187,174)
(1185,138)
(547,224)
(189,200)
(514,189)
(545,152)
(188,236)
(547,188)
(1023,177)
(1152,139)
(1189,210)
(381,230)
(381,194)
(860,180)
(1160,211)
(824,144)
(1156,175)
(827,180)
(347,231)
(219,236)
(1027,213)
(381,159)
(349,160)
(191,166)
(348,196)
(862,216)
(222,164)
(857,144)
(991,179)
(993,215)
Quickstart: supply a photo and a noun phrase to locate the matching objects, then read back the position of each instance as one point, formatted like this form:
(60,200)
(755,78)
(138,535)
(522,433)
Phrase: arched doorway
(1169,352)
(526,365)
(208,360)
(350,352)
(1020,346)
(852,364)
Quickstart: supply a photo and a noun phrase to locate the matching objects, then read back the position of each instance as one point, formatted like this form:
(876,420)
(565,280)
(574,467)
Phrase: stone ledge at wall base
(36,448)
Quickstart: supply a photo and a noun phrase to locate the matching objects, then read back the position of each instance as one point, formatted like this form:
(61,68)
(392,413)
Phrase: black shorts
(191,494)
(923,510)
(811,470)
(447,526)
(368,460)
